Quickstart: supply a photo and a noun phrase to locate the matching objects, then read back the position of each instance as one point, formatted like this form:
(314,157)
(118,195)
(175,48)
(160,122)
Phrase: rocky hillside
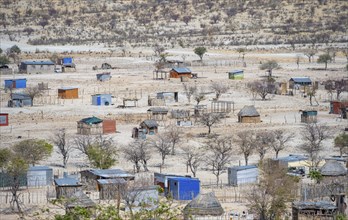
(218,23)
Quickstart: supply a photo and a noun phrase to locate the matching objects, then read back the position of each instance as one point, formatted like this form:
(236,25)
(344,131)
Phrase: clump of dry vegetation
(146,23)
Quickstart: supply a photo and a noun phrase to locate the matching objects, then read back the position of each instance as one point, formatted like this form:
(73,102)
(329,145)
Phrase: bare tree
(193,158)
(33,92)
(162,146)
(219,89)
(138,153)
(82,142)
(199,96)
(261,88)
(245,144)
(174,136)
(268,199)
(242,51)
(158,49)
(64,148)
(310,54)
(209,119)
(313,136)
(311,91)
(189,91)
(220,151)
(280,140)
(262,142)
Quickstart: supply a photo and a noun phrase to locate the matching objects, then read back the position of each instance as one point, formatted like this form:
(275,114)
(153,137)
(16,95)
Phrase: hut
(79,199)
(203,205)
(236,74)
(111,189)
(297,82)
(309,116)
(162,180)
(168,97)
(91,125)
(16,83)
(37,66)
(109,126)
(102,99)
(183,188)
(66,186)
(147,197)
(158,114)
(106,66)
(238,175)
(249,114)
(68,93)
(179,72)
(3,119)
(103,76)
(95,174)
(68,62)
(337,107)
(39,176)
(313,210)
(19,100)
(333,170)
(149,126)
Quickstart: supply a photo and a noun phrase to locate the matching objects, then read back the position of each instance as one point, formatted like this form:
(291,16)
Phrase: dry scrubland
(133,77)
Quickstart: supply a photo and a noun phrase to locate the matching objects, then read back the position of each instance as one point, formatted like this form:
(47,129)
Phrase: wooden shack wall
(249,119)
(68,94)
(174,74)
(86,129)
(66,191)
(109,126)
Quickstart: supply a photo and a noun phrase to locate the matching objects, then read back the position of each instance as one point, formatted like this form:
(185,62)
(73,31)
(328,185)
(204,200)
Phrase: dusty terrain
(133,77)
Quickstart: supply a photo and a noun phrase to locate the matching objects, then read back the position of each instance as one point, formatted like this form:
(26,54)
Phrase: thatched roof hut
(249,114)
(333,168)
(203,205)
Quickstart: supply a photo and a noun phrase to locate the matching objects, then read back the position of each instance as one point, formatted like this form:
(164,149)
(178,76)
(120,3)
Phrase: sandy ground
(134,78)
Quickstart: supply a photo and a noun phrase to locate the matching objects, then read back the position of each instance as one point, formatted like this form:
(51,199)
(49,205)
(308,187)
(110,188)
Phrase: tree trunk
(173,148)
(145,166)
(246,160)
(209,130)
(325,65)
(137,167)
(277,152)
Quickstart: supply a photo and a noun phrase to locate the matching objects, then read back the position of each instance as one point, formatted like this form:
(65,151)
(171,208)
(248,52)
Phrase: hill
(185,23)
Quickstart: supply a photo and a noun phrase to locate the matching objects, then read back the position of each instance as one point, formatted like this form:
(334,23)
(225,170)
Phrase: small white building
(242,174)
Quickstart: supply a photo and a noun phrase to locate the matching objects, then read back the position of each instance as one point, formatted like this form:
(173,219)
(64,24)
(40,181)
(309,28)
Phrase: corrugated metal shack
(37,66)
(103,76)
(16,83)
(238,175)
(91,125)
(110,189)
(39,176)
(102,99)
(68,93)
(65,187)
(309,116)
(3,119)
(236,74)
(19,100)
(183,188)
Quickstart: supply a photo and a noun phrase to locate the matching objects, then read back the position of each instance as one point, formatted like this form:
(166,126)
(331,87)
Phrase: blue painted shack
(101,99)
(236,74)
(16,83)
(68,62)
(19,100)
(183,188)
(103,76)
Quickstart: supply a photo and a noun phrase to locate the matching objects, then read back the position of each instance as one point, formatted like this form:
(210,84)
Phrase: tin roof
(243,167)
(158,110)
(301,79)
(182,70)
(38,62)
(111,181)
(236,71)
(67,88)
(20,96)
(91,120)
(150,123)
(248,111)
(313,205)
(66,181)
(36,168)
(7,80)
(112,173)
(292,158)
